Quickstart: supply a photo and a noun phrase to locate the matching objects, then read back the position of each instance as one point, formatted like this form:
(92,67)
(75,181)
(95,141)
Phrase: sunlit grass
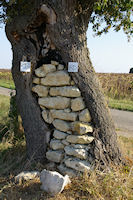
(121,104)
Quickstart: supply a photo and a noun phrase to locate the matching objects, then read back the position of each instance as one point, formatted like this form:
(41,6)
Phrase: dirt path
(6,91)
(123,119)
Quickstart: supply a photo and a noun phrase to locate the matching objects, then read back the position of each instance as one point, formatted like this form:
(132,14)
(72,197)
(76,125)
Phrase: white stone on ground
(26,175)
(52,182)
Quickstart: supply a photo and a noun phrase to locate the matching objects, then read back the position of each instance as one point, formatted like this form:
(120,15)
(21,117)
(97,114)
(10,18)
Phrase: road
(123,119)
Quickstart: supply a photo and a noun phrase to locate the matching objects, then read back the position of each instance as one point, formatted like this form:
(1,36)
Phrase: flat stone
(67,171)
(44,70)
(81,128)
(60,67)
(42,91)
(59,78)
(36,80)
(52,182)
(61,125)
(55,156)
(56,144)
(77,104)
(79,153)
(65,142)
(53,62)
(81,146)
(67,91)
(59,135)
(47,116)
(77,164)
(54,102)
(76,139)
(85,116)
(60,114)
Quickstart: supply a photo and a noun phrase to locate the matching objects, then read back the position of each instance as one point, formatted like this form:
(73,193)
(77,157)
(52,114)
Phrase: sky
(110,53)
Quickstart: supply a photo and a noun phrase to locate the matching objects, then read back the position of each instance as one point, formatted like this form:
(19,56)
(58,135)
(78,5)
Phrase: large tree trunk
(66,24)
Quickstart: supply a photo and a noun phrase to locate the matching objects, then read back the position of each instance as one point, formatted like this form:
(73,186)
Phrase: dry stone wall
(63,106)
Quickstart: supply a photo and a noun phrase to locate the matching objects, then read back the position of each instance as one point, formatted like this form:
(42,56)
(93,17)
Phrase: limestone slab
(67,171)
(85,116)
(65,142)
(60,114)
(59,78)
(61,125)
(77,164)
(54,102)
(79,153)
(60,67)
(53,62)
(67,91)
(81,128)
(42,91)
(77,104)
(47,116)
(56,144)
(55,156)
(59,135)
(36,80)
(76,139)
(44,70)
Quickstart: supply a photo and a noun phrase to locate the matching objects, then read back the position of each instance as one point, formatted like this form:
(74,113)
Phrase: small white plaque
(25,66)
(73,67)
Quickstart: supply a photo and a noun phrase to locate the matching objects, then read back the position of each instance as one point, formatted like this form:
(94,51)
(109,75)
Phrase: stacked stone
(63,106)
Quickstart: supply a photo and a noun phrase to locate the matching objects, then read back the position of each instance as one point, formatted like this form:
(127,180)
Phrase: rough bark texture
(67,32)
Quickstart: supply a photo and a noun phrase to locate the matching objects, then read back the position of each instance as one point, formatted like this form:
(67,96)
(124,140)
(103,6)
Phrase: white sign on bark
(73,67)
(25,66)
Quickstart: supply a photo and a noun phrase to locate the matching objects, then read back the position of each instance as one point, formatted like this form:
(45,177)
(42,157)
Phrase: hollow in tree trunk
(56,30)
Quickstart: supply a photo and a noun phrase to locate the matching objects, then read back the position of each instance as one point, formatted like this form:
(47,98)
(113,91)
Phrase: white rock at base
(52,182)
(55,156)
(77,104)
(78,164)
(26,175)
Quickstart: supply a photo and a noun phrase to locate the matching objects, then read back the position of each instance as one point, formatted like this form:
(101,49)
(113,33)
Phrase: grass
(121,104)
(6,79)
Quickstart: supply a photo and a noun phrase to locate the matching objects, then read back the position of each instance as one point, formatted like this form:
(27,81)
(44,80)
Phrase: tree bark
(67,32)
